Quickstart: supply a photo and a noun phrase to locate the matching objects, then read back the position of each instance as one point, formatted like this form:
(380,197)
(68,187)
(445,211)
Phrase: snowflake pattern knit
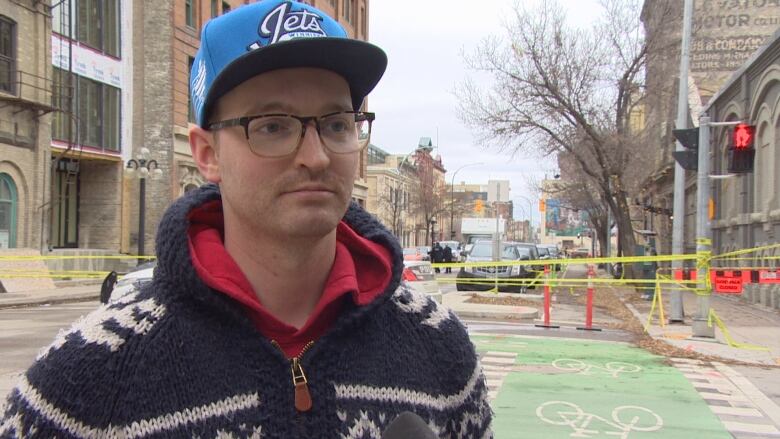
(178,359)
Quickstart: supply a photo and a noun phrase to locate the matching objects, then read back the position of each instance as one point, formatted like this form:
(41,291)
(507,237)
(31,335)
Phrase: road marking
(718,382)
(501,354)
(743,427)
(722,397)
(494,372)
(715,387)
(498,360)
(756,396)
(736,411)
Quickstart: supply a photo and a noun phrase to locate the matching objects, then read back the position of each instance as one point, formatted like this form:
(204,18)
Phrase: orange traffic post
(589,306)
(547,300)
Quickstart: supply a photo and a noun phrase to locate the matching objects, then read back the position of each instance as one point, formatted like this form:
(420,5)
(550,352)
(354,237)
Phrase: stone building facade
(725,34)
(747,206)
(26,90)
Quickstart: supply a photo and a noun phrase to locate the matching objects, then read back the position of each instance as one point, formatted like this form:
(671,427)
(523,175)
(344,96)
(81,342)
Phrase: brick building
(26,92)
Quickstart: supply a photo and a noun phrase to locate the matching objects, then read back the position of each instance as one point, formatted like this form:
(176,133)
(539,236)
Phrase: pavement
(749,333)
(77,293)
(750,336)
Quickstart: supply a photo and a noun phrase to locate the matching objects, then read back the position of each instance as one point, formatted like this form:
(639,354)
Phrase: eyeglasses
(278,135)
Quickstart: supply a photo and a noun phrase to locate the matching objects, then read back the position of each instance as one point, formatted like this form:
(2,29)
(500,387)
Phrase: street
(551,383)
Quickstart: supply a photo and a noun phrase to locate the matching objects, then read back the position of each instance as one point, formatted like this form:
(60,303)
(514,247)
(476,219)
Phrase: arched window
(8,207)
(763,166)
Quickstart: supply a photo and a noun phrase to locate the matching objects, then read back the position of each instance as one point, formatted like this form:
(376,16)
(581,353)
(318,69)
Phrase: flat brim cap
(258,38)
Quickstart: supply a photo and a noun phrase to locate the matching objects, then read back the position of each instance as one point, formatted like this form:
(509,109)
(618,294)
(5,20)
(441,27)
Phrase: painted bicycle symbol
(614,368)
(625,419)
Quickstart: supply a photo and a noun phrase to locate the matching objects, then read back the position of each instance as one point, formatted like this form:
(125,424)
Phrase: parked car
(132,281)
(580,253)
(419,276)
(478,277)
(415,254)
(549,251)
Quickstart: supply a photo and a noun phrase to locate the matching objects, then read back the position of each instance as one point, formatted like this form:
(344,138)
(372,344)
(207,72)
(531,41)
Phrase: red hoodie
(361,269)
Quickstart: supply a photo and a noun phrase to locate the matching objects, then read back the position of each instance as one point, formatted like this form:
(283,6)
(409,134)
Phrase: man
(447,257)
(435,254)
(275,309)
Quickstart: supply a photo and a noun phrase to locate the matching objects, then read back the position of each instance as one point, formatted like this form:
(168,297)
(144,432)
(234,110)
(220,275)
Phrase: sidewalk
(746,323)
(50,295)
(561,314)
(457,302)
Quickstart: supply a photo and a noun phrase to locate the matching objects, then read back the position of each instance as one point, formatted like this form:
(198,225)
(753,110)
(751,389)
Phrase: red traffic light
(743,136)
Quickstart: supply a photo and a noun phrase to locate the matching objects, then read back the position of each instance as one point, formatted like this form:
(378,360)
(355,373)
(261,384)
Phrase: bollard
(589,306)
(547,300)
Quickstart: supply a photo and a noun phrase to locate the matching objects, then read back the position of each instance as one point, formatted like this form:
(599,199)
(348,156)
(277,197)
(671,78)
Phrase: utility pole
(700,327)
(676,313)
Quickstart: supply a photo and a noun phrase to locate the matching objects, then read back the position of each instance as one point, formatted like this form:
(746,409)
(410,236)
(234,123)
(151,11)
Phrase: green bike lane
(567,388)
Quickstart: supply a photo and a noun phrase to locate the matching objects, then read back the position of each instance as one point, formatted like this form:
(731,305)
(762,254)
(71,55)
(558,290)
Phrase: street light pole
(145,167)
(452,198)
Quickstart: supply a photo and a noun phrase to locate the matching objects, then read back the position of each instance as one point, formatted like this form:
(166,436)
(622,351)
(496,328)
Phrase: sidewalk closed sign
(727,282)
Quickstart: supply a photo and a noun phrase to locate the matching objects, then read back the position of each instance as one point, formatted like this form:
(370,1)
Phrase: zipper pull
(302,395)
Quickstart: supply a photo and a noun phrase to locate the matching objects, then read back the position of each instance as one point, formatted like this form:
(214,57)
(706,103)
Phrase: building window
(226,7)
(97,25)
(363,22)
(190,112)
(214,8)
(8,207)
(189,13)
(97,114)
(7,55)
(349,6)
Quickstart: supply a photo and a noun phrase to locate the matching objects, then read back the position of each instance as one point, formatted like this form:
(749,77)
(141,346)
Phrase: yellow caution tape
(746,251)
(47,258)
(714,317)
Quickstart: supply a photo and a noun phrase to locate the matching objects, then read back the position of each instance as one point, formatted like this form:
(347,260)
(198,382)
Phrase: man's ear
(202,144)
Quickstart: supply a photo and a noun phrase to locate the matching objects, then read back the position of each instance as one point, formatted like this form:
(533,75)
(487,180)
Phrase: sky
(424,41)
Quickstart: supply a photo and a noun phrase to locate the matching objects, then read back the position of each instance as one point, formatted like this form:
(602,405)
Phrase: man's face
(304,194)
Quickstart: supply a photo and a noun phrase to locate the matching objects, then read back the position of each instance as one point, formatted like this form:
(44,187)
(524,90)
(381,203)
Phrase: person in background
(447,258)
(276,308)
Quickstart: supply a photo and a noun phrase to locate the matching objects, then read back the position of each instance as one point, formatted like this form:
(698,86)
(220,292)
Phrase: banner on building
(563,221)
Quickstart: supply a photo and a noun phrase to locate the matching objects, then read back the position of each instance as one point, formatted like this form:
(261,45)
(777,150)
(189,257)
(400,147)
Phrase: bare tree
(575,191)
(392,204)
(563,89)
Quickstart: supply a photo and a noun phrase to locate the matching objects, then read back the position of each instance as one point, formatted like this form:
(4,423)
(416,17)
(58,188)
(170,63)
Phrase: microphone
(408,426)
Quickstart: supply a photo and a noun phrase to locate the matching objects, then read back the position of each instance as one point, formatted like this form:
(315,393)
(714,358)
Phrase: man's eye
(339,125)
(270,127)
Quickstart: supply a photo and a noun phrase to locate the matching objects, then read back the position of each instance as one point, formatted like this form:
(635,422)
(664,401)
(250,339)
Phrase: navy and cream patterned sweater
(178,359)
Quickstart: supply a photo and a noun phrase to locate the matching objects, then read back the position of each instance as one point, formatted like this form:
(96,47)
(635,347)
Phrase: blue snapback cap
(276,34)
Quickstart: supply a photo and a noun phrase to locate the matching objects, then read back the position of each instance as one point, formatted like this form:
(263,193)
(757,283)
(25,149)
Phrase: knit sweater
(178,359)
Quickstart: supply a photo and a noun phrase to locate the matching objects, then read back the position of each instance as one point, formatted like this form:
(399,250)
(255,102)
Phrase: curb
(23,302)
(518,313)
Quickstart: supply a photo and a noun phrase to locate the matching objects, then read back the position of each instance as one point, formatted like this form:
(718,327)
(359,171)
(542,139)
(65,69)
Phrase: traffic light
(542,205)
(741,151)
(688,158)
(479,205)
